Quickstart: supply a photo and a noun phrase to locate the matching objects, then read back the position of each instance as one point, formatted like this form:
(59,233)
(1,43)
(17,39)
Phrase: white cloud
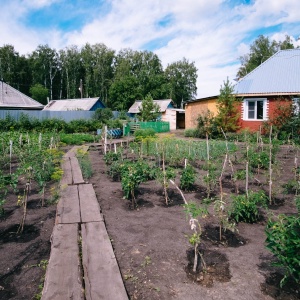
(210,33)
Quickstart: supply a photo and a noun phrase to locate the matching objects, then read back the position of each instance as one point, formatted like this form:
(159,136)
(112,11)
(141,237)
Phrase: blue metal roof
(278,75)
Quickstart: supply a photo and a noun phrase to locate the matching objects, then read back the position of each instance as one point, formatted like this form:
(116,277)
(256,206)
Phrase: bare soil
(156,258)
(150,243)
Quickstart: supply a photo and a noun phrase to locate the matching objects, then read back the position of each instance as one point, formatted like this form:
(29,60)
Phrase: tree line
(118,78)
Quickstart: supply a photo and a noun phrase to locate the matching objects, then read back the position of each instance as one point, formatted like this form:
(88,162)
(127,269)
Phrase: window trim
(246,109)
(296,105)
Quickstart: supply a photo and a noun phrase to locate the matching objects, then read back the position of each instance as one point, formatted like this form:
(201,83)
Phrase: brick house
(274,83)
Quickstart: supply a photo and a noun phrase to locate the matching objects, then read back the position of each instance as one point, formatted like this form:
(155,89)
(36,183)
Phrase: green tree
(70,72)
(103,114)
(260,50)
(39,93)
(136,73)
(97,61)
(14,69)
(149,111)
(228,113)
(45,64)
(182,78)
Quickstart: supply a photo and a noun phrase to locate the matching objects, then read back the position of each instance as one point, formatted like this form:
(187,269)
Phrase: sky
(211,33)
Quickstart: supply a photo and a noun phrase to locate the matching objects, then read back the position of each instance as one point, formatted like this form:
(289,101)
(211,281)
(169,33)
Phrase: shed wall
(194,109)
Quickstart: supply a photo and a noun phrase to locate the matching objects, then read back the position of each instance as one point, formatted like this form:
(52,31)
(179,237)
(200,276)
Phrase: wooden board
(72,152)
(67,178)
(89,206)
(76,171)
(68,209)
(101,272)
(63,278)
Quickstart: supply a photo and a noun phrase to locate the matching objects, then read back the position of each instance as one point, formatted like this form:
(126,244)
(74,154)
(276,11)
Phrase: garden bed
(154,254)
(150,242)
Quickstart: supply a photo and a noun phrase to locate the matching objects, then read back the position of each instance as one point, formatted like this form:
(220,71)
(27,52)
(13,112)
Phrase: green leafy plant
(110,157)
(141,134)
(163,175)
(283,240)
(187,178)
(132,175)
(246,209)
(210,179)
(258,160)
(222,215)
(194,212)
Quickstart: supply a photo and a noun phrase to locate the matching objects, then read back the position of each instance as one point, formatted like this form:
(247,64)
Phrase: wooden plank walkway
(80,229)
(63,277)
(99,264)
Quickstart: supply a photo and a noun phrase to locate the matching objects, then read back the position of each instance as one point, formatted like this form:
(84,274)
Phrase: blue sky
(213,34)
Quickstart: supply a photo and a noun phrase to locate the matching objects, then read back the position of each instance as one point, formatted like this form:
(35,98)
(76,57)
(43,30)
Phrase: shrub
(191,132)
(187,178)
(110,157)
(259,159)
(246,209)
(103,114)
(132,175)
(283,240)
(141,134)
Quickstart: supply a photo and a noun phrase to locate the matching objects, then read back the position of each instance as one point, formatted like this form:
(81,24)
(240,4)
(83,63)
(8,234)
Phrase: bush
(103,115)
(132,174)
(191,132)
(259,159)
(283,240)
(141,134)
(246,209)
(110,157)
(187,178)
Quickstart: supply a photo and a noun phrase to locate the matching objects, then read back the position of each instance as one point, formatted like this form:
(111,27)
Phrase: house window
(296,106)
(255,109)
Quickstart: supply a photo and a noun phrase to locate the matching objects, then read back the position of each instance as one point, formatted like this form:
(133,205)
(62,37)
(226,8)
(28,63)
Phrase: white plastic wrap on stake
(115,147)
(40,140)
(10,154)
(105,139)
(20,139)
(185,163)
(51,142)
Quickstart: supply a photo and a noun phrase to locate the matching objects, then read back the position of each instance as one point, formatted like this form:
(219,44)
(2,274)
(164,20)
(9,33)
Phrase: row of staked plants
(26,159)
(165,159)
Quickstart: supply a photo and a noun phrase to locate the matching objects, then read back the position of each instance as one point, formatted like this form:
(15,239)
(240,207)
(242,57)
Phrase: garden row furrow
(82,263)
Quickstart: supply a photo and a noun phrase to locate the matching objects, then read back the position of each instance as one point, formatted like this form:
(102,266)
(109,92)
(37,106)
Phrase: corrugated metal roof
(163,105)
(278,75)
(12,98)
(71,104)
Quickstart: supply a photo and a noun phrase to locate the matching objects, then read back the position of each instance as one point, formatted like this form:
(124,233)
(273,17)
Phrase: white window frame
(296,106)
(246,109)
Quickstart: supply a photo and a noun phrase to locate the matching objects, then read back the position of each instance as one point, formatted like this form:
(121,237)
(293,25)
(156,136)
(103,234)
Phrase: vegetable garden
(187,218)
(230,201)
